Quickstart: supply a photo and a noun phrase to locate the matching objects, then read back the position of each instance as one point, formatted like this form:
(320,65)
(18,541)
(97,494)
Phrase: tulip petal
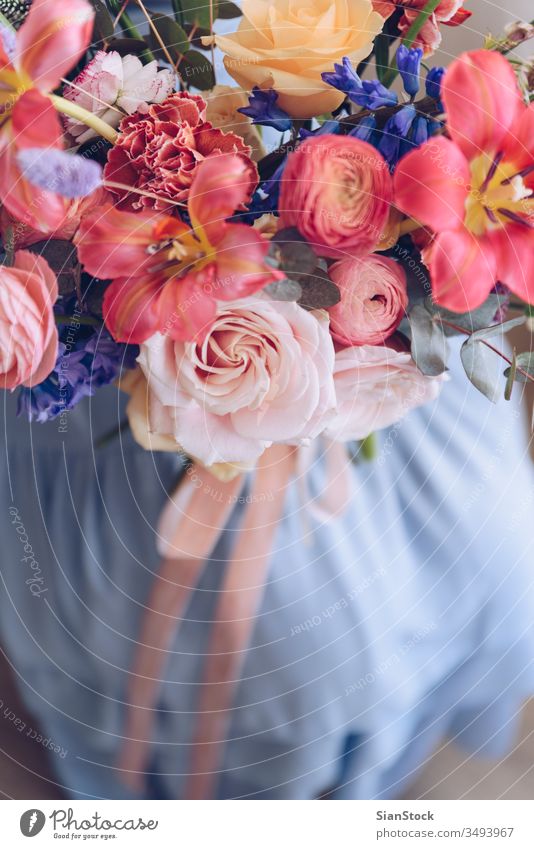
(519,143)
(462,270)
(241,266)
(514,248)
(222,185)
(130,308)
(482,100)
(186,306)
(431,184)
(53,37)
(34,124)
(115,244)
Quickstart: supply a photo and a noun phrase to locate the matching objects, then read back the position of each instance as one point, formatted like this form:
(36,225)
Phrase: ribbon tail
(189,528)
(235,617)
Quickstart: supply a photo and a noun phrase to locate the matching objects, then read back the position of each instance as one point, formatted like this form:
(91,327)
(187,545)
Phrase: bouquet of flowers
(268,262)
(258,298)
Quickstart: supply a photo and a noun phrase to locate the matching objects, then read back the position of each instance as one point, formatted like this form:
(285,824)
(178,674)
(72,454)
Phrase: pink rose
(28,334)
(375,387)
(159,151)
(262,375)
(373,300)
(337,191)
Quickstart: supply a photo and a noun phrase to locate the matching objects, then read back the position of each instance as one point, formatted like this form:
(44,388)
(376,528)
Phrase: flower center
(498,195)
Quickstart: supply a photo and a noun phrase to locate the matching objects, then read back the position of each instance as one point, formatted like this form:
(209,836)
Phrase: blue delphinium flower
(327,128)
(370,94)
(262,109)
(409,65)
(88,358)
(433,82)
(394,141)
(364,129)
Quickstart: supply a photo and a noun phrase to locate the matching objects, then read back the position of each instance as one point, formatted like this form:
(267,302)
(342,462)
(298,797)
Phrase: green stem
(410,37)
(79,319)
(368,447)
(73,110)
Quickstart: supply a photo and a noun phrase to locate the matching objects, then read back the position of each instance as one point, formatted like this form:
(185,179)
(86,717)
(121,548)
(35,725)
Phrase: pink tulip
(167,276)
(475,189)
(50,41)
(28,334)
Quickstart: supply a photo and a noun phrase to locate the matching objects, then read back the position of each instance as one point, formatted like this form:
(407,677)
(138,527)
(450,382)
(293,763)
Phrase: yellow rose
(223,101)
(286,44)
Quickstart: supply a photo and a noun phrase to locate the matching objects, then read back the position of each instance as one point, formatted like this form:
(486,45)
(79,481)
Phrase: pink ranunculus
(373,299)
(159,151)
(28,334)
(262,375)
(375,387)
(337,191)
(112,85)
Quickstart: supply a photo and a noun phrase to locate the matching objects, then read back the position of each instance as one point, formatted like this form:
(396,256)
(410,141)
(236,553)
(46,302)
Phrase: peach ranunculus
(222,104)
(374,297)
(286,46)
(263,374)
(375,387)
(337,191)
(28,334)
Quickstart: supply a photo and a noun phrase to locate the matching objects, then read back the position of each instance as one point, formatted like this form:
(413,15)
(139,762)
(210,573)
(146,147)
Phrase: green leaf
(318,291)
(198,12)
(178,12)
(103,26)
(171,34)
(510,377)
(430,349)
(226,10)
(480,363)
(292,253)
(284,290)
(498,329)
(524,361)
(381,51)
(196,70)
(475,320)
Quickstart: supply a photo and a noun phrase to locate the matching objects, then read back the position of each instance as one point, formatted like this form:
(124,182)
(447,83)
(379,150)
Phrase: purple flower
(60,172)
(88,358)
(262,109)
(364,130)
(393,144)
(433,82)
(370,94)
(409,65)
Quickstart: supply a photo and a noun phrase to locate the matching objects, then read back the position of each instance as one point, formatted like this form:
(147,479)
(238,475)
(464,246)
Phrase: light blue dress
(408,618)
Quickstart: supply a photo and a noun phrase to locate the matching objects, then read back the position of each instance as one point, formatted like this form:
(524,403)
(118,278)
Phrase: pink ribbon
(190,526)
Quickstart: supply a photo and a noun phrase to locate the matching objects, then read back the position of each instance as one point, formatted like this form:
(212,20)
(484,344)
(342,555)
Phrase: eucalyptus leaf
(510,377)
(482,368)
(430,349)
(197,70)
(498,329)
(524,361)
(284,290)
(292,252)
(482,317)
(318,291)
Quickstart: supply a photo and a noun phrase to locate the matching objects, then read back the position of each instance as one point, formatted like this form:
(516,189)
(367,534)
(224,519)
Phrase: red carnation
(159,151)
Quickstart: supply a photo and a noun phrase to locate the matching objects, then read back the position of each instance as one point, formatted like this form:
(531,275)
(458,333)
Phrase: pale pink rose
(262,375)
(112,86)
(337,191)
(28,334)
(375,387)
(373,299)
